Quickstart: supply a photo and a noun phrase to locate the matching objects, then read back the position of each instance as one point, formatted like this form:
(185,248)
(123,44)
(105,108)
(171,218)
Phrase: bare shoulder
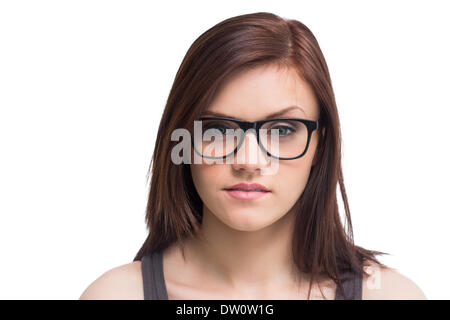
(389,284)
(120,283)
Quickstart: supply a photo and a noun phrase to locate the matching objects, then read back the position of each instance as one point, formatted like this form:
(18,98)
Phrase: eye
(220,126)
(282,130)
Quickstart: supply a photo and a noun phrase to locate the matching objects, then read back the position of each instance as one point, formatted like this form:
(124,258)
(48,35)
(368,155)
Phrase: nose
(250,157)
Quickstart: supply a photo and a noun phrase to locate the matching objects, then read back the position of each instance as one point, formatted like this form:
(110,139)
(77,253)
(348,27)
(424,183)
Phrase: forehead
(255,93)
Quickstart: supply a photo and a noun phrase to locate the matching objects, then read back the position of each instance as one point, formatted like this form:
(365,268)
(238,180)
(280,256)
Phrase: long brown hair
(321,245)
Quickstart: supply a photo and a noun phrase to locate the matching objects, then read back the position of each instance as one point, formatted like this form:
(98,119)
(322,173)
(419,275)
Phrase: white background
(82,88)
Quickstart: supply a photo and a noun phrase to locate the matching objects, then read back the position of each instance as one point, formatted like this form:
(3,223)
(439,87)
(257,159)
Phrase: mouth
(244,194)
(249,187)
(246,190)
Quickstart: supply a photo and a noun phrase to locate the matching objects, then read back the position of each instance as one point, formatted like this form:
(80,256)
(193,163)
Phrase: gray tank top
(155,284)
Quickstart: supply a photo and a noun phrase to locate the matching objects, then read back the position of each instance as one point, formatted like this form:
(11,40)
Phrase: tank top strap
(351,286)
(153,276)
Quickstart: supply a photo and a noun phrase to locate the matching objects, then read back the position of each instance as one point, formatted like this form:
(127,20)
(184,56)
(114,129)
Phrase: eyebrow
(270,116)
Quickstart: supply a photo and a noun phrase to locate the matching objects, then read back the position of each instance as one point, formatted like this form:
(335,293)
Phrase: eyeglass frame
(311,125)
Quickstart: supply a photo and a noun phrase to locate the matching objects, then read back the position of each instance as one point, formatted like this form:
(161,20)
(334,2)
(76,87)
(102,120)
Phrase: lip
(246,195)
(248,187)
(248,191)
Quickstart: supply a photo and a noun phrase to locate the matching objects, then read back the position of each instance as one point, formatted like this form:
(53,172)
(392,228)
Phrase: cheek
(208,179)
(292,178)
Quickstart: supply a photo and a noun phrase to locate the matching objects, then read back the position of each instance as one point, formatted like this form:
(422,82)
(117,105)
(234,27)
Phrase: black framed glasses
(280,138)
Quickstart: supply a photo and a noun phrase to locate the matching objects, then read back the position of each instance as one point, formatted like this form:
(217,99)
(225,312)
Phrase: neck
(260,259)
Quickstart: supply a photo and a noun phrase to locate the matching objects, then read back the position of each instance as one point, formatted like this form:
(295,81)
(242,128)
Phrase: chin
(243,220)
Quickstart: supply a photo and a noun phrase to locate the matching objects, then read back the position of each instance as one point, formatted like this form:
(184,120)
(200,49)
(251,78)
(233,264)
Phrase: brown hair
(321,245)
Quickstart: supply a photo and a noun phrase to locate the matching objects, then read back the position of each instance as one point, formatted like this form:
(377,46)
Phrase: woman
(241,229)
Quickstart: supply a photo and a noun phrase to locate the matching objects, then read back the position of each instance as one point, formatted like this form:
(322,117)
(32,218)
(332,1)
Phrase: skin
(243,250)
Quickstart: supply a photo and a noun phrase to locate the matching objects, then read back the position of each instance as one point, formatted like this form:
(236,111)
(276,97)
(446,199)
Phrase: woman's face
(253,95)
